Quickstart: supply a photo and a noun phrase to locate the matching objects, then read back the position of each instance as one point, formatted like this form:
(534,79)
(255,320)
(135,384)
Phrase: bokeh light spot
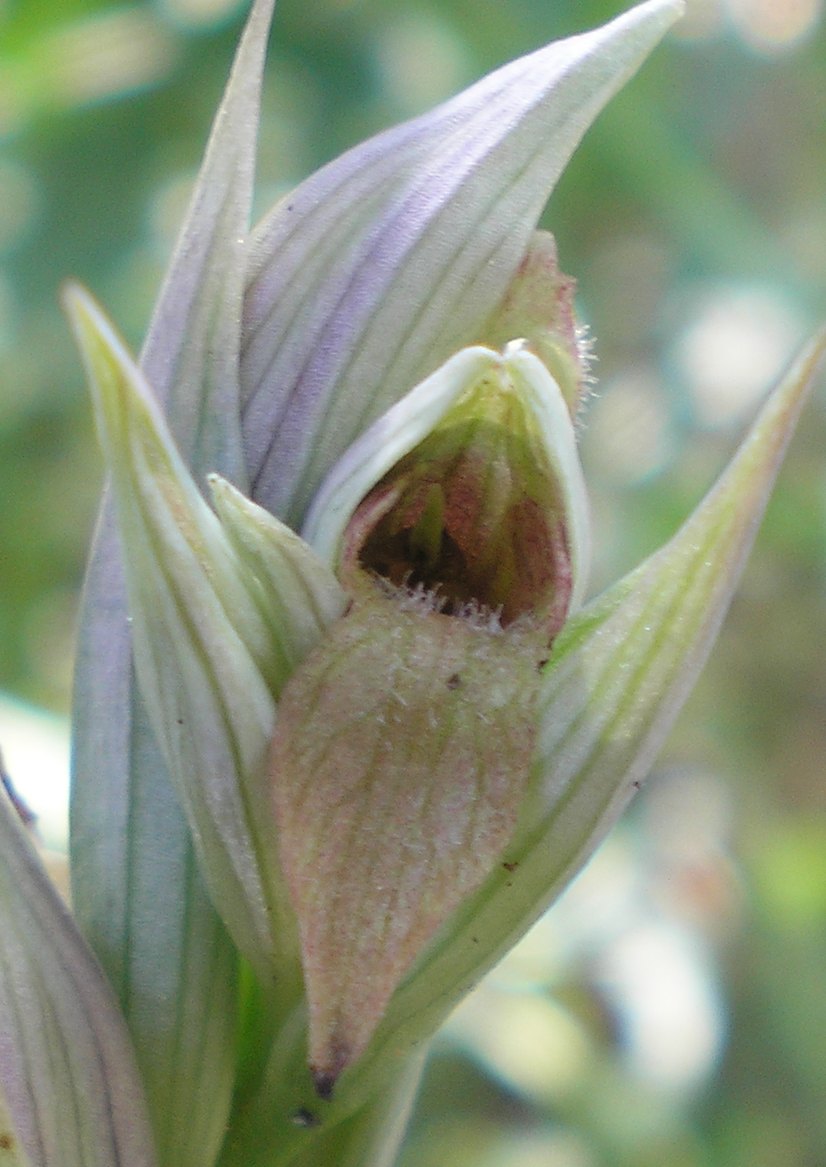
(106,55)
(526,1039)
(629,435)
(735,343)
(408,41)
(703,19)
(18,202)
(774,25)
(36,757)
(199,13)
(670,1016)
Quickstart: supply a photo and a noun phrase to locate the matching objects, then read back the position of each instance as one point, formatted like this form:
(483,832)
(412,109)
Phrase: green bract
(344,727)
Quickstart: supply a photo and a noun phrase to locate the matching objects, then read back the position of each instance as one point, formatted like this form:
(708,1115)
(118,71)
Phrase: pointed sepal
(206,658)
(373,271)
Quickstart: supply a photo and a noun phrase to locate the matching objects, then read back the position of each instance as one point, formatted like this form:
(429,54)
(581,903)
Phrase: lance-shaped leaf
(68,1076)
(209,645)
(373,271)
(619,673)
(131,848)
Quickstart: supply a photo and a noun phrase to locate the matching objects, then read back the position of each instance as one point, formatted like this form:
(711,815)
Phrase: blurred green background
(671,1011)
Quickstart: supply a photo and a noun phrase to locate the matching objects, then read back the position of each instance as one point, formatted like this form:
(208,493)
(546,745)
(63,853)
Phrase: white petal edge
(540,391)
(387,440)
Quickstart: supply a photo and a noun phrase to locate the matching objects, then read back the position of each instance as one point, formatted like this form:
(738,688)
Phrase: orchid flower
(345,724)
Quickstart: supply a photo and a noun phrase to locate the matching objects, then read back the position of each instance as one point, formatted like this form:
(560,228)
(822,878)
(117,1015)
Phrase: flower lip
(485,511)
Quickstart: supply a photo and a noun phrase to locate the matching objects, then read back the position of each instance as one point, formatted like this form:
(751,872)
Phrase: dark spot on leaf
(6,1141)
(454,681)
(304,1117)
(510,866)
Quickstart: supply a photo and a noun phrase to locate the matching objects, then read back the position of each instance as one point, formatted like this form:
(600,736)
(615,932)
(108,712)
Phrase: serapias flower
(458,527)
(344,731)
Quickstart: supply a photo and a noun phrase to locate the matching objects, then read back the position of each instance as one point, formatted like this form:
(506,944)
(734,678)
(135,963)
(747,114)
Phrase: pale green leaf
(68,1075)
(191,352)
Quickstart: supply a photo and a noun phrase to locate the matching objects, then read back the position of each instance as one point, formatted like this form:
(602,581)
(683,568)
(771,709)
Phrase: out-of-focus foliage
(673,1008)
